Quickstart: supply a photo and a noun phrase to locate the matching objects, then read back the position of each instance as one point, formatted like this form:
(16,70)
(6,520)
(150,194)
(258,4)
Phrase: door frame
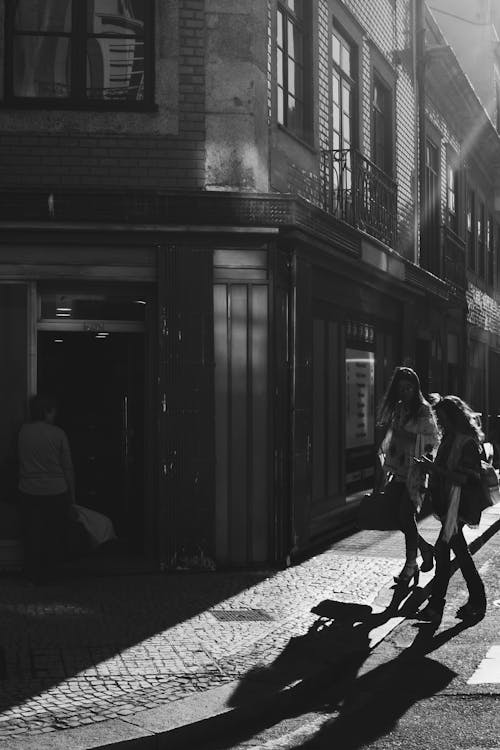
(145,327)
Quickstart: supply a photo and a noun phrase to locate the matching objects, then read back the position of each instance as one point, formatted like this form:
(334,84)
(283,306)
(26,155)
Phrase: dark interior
(98,382)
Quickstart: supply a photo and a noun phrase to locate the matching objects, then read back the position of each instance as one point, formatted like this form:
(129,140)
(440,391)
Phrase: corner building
(212,251)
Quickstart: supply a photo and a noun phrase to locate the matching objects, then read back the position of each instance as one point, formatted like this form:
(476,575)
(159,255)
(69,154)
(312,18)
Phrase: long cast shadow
(367,707)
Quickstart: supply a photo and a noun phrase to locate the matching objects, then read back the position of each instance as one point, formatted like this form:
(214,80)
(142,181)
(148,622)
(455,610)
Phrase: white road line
(488,671)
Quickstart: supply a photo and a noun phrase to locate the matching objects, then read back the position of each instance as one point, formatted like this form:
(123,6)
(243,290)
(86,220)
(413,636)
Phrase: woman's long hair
(391,396)
(462,418)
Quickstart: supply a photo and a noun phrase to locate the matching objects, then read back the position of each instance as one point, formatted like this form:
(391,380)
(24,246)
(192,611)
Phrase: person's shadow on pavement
(339,635)
(367,706)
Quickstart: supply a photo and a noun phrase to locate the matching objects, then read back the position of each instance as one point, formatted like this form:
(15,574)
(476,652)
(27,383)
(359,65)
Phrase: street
(419,688)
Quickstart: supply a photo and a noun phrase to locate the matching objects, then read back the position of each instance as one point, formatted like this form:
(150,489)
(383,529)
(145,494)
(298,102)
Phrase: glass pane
(297,44)
(299,82)
(279,30)
(43,15)
(335,49)
(345,58)
(281,114)
(279,71)
(346,128)
(123,17)
(291,39)
(346,98)
(115,69)
(336,89)
(336,118)
(291,76)
(41,66)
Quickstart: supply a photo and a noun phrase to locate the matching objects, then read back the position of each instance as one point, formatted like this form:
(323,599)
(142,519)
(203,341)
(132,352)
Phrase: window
(431,245)
(79,52)
(481,239)
(343,88)
(292,62)
(452,194)
(490,249)
(382,126)
(470,221)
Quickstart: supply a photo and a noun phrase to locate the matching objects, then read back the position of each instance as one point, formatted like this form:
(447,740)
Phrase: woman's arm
(468,466)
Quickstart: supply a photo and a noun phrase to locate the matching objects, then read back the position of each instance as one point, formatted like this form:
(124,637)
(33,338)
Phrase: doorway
(98,381)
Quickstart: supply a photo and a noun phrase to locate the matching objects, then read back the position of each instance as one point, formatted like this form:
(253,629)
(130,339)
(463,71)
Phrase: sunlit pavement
(116,656)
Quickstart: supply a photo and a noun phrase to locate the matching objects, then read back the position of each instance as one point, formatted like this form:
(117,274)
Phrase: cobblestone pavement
(96,648)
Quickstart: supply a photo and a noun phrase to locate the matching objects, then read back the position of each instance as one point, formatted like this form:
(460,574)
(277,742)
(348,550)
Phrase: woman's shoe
(427,558)
(471,611)
(431,614)
(410,571)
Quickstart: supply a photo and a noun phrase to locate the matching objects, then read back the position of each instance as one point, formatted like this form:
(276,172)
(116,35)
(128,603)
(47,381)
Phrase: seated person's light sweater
(45,465)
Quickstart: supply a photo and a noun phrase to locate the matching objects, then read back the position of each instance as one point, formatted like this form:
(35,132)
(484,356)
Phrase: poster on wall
(360,398)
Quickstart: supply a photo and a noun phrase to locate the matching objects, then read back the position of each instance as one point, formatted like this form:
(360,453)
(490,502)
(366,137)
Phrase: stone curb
(208,715)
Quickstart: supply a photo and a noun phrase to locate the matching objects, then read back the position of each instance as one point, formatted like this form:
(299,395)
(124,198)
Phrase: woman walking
(410,431)
(457,499)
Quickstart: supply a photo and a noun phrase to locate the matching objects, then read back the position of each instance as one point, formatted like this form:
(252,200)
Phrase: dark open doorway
(98,381)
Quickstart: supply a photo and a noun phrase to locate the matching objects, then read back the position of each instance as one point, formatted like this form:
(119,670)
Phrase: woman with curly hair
(455,487)
(410,431)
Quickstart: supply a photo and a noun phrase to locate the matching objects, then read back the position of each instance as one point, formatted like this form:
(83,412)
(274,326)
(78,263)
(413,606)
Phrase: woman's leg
(442,574)
(408,525)
(427,552)
(475,586)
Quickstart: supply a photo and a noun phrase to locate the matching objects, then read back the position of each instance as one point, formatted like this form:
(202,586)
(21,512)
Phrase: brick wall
(154,150)
(483,311)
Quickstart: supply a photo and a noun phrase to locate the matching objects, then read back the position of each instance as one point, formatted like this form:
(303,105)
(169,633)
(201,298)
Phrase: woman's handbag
(379,510)
(98,526)
(490,490)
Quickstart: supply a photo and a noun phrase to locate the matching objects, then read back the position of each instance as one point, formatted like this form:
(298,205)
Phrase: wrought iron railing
(355,190)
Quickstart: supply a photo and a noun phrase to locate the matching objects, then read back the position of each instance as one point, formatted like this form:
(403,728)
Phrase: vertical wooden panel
(13,381)
(281,411)
(333,417)
(319,410)
(221,333)
(239,422)
(302,411)
(260,409)
(185,403)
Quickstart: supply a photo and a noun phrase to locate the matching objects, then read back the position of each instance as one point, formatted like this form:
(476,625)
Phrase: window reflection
(95,52)
(51,15)
(115,69)
(42,66)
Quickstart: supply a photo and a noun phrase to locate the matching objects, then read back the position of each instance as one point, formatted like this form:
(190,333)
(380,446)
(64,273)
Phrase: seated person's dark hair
(39,406)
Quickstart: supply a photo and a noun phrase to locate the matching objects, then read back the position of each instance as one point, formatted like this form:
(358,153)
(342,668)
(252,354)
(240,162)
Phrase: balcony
(355,190)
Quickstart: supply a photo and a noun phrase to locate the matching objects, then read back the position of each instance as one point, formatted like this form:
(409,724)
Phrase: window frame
(351,78)
(490,249)
(481,239)
(470,228)
(302,23)
(452,192)
(388,157)
(78,100)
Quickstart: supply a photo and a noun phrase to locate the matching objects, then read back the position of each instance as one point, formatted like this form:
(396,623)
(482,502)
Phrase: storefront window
(360,408)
